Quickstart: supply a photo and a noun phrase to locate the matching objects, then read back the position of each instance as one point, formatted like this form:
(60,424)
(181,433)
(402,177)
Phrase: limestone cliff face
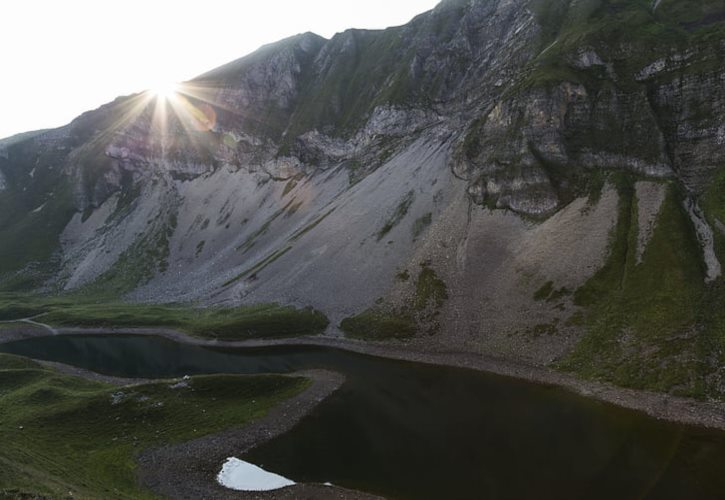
(503,148)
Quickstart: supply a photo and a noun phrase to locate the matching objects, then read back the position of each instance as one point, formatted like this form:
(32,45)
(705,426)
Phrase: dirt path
(28,321)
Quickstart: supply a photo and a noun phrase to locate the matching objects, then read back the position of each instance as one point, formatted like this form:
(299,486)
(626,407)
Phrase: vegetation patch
(548,293)
(377,324)
(140,262)
(293,209)
(545,329)
(238,323)
(544,292)
(641,319)
(39,231)
(200,247)
(289,187)
(259,266)
(63,436)
(430,291)
(400,212)
(418,314)
(595,187)
(252,239)
(355,171)
(713,200)
(421,224)
(299,234)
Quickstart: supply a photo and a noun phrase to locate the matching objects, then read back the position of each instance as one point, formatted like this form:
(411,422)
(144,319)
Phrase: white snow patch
(239,475)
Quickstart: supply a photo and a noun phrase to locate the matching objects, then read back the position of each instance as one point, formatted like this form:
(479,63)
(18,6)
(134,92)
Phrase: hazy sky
(60,58)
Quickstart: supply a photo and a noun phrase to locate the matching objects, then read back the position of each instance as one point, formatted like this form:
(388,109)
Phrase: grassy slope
(712,313)
(383,322)
(34,213)
(642,319)
(63,434)
(628,31)
(266,320)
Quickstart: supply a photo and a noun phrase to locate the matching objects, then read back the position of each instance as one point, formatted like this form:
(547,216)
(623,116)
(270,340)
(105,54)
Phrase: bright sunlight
(165,90)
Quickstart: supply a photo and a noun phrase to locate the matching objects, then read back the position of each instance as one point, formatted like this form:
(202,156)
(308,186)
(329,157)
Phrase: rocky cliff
(530,178)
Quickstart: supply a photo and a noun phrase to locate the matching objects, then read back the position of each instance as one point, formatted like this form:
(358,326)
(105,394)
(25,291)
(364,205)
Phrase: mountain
(534,179)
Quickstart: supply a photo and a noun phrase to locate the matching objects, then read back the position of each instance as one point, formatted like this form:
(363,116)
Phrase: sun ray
(165,90)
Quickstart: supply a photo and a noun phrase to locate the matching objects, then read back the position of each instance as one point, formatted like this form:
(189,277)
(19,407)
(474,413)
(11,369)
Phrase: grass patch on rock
(376,324)
(398,214)
(548,293)
(430,290)
(417,315)
(421,224)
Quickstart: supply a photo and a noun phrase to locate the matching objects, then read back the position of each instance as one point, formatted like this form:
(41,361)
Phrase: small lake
(414,431)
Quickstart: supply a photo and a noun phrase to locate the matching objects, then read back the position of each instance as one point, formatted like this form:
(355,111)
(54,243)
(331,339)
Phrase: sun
(165,90)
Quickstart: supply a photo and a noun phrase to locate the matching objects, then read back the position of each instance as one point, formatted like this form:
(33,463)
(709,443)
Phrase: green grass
(239,323)
(544,329)
(376,324)
(259,266)
(299,234)
(63,435)
(713,200)
(548,293)
(417,316)
(289,187)
(544,292)
(430,290)
(140,262)
(199,248)
(38,231)
(371,70)
(641,319)
(398,214)
(628,33)
(421,224)
(252,239)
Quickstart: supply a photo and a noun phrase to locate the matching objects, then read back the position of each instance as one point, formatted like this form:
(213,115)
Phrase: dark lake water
(413,431)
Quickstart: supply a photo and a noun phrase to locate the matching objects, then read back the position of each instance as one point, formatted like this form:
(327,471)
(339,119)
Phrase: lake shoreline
(190,469)
(665,407)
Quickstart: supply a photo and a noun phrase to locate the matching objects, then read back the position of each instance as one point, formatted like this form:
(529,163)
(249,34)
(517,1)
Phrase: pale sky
(61,58)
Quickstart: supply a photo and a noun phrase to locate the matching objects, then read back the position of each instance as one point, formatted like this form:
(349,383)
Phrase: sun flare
(165,90)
